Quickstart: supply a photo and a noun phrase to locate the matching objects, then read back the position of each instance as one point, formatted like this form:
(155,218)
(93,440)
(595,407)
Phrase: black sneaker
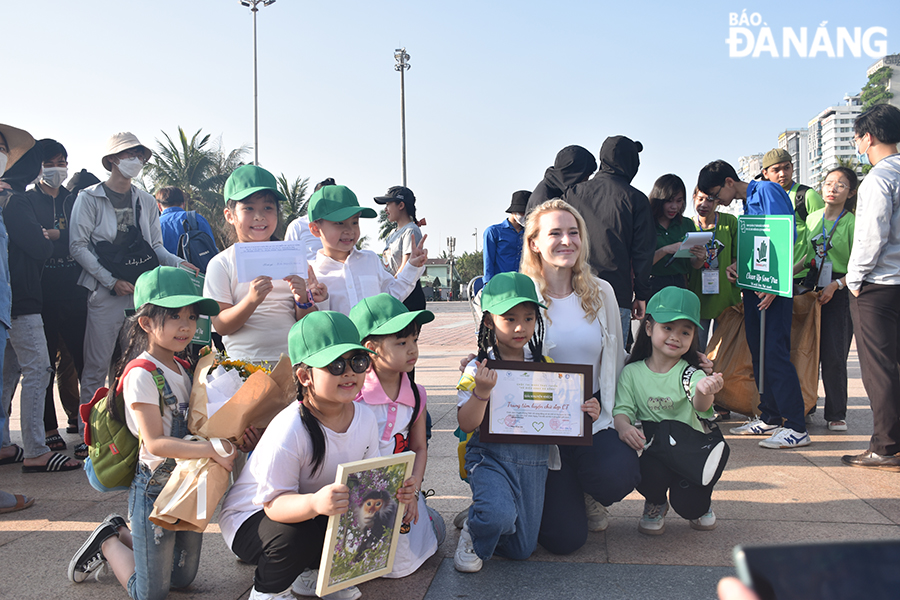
(89,557)
(117,521)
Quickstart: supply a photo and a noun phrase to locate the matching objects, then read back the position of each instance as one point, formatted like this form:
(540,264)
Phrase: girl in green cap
(276,514)
(143,559)
(651,389)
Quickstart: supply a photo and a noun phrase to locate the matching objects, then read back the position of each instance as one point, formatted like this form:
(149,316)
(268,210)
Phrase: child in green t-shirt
(650,389)
(830,239)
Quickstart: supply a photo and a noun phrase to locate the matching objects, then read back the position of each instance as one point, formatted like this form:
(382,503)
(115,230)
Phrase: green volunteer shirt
(644,395)
(813,202)
(721,251)
(840,242)
(674,234)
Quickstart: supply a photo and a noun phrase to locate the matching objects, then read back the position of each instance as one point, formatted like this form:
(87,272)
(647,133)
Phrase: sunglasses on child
(358,362)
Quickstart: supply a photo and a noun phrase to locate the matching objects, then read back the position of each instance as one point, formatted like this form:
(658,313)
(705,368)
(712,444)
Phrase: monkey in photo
(375,514)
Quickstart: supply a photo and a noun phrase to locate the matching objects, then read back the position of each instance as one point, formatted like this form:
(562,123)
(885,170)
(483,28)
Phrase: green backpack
(112,448)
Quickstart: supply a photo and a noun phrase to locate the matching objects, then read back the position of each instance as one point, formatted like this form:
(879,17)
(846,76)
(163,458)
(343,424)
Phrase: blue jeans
(507,497)
(26,356)
(625,315)
(163,559)
(608,470)
(782,398)
(4,412)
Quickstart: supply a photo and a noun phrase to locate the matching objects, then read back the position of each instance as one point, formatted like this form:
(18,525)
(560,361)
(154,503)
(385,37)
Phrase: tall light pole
(475,235)
(254,8)
(401,57)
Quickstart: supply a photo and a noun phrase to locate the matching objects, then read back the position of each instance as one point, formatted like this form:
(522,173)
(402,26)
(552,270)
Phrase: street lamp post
(253,5)
(401,57)
(475,235)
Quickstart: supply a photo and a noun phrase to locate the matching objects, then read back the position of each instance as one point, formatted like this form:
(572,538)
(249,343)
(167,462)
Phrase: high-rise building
(891,84)
(795,142)
(830,138)
(749,166)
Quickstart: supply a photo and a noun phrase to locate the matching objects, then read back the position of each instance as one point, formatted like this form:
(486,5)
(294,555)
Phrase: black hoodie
(28,248)
(573,165)
(619,221)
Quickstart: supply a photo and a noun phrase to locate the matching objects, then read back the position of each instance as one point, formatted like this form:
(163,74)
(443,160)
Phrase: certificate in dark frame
(585,439)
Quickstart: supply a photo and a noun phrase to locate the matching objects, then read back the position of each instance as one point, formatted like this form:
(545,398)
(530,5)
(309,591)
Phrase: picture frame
(538,403)
(360,544)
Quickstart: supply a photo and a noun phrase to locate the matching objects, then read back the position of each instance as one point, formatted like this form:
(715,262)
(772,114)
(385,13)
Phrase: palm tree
(385,227)
(297,202)
(200,171)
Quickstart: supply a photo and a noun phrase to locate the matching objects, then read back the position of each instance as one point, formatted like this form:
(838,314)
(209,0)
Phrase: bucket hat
(18,141)
(119,142)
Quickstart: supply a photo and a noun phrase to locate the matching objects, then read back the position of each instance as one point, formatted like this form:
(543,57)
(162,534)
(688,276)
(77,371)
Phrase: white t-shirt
(281,463)
(398,244)
(263,337)
(139,387)
(299,230)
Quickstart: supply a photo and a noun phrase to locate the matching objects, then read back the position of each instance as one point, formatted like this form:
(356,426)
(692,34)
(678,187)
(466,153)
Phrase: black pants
(834,348)
(689,500)
(416,298)
(280,551)
(876,320)
(64,314)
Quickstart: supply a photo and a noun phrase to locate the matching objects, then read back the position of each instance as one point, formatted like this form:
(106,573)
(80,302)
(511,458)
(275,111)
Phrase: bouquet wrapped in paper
(189,498)
(229,396)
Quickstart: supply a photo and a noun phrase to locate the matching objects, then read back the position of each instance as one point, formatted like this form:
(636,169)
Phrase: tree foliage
(296,204)
(385,227)
(469,265)
(875,90)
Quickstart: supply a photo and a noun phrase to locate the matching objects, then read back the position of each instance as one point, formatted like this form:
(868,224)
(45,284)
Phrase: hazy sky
(495,89)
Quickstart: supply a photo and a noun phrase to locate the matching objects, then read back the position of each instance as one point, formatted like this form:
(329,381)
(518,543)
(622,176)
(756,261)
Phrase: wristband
(306,305)
(840,284)
(479,397)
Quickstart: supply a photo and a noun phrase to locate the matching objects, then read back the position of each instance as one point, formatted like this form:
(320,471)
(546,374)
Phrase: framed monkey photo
(360,544)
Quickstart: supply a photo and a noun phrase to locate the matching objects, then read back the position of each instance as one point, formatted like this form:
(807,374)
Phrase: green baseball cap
(673,303)
(249,179)
(383,315)
(506,290)
(322,336)
(171,288)
(337,203)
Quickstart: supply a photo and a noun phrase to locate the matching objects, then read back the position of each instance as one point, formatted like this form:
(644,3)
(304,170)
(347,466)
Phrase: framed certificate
(361,543)
(538,403)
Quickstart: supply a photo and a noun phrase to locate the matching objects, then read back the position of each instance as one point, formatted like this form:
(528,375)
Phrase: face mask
(38,178)
(54,176)
(130,167)
(4,159)
(520,219)
(863,157)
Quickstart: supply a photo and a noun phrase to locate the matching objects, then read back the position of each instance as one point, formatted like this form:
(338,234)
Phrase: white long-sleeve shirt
(876,238)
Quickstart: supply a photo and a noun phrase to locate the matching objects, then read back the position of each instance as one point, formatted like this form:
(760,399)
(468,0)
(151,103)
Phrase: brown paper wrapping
(731,356)
(182,515)
(256,403)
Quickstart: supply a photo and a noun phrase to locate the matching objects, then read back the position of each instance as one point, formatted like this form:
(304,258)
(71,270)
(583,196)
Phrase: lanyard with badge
(825,267)
(710,276)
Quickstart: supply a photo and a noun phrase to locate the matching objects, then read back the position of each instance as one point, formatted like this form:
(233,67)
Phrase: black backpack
(800,201)
(195,246)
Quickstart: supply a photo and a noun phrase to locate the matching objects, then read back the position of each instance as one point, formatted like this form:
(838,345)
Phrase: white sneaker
(785,437)
(705,523)
(754,426)
(257,595)
(653,522)
(460,519)
(305,585)
(464,559)
(597,515)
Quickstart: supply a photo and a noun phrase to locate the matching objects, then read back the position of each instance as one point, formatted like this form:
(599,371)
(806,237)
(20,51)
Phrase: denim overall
(162,558)
(508,483)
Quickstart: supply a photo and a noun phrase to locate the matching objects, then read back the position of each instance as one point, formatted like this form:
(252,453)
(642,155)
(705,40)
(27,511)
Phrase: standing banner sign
(765,263)
(765,260)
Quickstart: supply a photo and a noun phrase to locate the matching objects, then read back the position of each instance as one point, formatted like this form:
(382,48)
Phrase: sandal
(837,425)
(56,463)
(18,457)
(55,442)
(22,502)
(81,451)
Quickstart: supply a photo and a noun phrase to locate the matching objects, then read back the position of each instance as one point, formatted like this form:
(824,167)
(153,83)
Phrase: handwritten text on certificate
(537,403)
(273,259)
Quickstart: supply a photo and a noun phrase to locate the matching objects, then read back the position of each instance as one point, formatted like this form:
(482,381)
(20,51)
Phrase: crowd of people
(576,261)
